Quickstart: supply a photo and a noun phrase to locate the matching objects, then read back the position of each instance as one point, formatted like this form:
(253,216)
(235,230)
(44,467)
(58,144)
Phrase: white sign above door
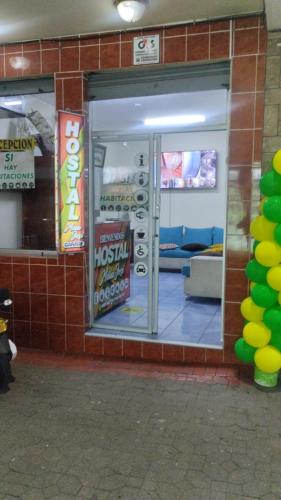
(146,49)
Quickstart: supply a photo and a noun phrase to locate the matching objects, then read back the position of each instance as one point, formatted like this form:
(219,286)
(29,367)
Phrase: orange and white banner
(70,163)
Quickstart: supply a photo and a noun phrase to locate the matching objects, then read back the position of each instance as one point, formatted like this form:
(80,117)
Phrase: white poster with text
(17,170)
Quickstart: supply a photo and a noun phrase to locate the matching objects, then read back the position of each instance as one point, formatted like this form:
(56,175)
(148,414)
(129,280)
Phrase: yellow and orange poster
(70,163)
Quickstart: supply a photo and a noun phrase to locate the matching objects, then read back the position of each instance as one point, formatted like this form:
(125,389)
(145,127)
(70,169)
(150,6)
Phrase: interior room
(27,179)
(189,162)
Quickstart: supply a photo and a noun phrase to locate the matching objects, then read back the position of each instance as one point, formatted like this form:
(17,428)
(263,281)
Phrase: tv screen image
(189,169)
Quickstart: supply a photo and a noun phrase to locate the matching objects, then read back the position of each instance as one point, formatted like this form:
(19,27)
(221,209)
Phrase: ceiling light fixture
(131,10)
(175,120)
(12,103)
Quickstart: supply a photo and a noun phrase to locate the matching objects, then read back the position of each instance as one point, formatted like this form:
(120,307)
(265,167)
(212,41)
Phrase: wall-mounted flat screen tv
(189,169)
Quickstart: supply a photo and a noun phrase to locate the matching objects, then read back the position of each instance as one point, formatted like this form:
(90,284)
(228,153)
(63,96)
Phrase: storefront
(51,291)
(159,169)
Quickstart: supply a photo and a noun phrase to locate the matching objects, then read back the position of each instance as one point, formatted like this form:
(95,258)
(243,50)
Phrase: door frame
(154,160)
(163,79)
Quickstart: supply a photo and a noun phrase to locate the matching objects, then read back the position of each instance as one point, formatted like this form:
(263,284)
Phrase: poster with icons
(124,178)
(141,179)
(140,269)
(141,160)
(141,250)
(124,193)
(17,170)
(141,198)
(140,215)
(141,233)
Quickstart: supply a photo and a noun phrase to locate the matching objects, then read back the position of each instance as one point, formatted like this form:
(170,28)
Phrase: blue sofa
(194,239)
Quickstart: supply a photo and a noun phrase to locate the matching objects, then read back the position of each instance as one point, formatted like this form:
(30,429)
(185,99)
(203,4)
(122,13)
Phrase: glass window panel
(27,208)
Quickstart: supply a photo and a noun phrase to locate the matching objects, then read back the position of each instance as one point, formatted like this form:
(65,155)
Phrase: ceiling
(128,115)
(37,19)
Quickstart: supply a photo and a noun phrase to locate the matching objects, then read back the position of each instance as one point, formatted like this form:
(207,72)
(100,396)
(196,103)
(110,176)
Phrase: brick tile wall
(50,296)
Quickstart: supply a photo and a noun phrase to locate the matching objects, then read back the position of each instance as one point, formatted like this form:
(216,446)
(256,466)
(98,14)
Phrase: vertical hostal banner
(70,182)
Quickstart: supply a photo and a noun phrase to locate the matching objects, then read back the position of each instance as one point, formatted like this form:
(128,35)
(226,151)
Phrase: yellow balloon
(268,359)
(262,202)
(262,229)
(273,278)
(256,334)
(250,311)
(268,253)
(276,162)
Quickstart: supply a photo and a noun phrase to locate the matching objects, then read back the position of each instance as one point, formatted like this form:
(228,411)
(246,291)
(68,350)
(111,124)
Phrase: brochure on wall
(70,219)
(112,266)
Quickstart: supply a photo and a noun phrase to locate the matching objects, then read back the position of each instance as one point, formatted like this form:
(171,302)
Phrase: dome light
(131,10)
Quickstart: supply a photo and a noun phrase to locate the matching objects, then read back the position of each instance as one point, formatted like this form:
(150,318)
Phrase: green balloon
(270,183)
(244,351)
(272,318)
(275,340)
(255,244)
(277,234)
(264,296)
(256,272)
(272,209)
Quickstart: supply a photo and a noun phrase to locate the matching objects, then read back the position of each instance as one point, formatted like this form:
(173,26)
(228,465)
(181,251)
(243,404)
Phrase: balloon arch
(261,341)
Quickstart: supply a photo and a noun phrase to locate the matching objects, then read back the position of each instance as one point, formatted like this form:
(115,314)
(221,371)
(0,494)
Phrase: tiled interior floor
(181,319)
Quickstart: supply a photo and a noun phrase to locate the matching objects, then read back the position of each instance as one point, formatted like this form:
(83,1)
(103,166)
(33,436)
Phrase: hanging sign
(146,49)
(17,170)
(70,179)
(112,265)
(98,151)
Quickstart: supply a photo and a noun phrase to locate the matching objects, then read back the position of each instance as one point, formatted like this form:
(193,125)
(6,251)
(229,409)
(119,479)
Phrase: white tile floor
(181,319)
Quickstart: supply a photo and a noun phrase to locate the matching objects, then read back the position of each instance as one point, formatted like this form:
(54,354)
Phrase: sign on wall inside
(70,218)
(17,170)
(17,163)
(99,152)
(146,49)
(112,266)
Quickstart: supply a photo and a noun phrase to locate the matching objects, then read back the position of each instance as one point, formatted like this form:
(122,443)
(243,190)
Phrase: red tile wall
(50,297)
(246,124)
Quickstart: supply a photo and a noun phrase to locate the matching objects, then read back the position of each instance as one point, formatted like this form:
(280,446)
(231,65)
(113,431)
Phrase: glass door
(124,233)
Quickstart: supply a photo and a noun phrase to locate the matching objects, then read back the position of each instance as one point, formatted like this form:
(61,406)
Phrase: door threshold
(142,337)
(102,332)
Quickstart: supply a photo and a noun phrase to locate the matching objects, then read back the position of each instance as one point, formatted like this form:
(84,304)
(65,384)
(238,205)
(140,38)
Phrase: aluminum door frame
(154,143)
(156,238)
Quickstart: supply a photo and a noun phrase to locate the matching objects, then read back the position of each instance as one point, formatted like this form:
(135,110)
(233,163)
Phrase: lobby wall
(202,207)
(50,295)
